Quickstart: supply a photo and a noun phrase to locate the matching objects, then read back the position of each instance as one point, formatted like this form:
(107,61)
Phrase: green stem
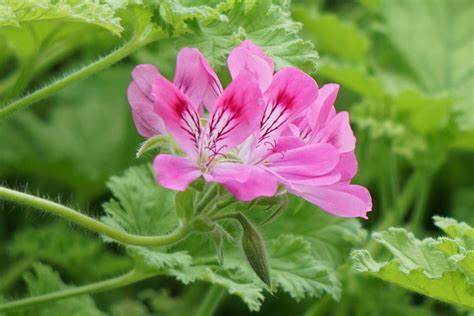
(211,301)
(80,74)
(9,277)
(209,195)
(109,284)
(421,202)
(90,223)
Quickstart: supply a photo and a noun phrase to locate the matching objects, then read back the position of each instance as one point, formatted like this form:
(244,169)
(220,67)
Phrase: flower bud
(254,249)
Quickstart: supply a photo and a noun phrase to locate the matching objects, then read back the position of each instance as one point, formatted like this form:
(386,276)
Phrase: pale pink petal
(181,119)
(245,182)
(148,122)
(306,161)
(196,78)
(322,110)
(174,172)
(235,116)
(337,132)
(344,200)
(248,57)
(290,93)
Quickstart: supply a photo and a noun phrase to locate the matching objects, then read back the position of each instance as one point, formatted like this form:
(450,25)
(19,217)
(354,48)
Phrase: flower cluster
(266,128)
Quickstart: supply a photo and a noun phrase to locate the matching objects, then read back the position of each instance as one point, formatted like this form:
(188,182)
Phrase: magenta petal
(196,78)
(248,57)
(146,120)
(322,110)
(344,200)
(285,143)
(290,93)
(338,132)
(235,115)
(181,119)
(245,182)
(305,161)
(174,172)
(347,166)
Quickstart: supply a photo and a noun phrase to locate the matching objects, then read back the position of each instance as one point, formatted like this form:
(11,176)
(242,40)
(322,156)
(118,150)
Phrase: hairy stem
(109,284)
(84,72)
(90,223)
(209,195)
(211,301)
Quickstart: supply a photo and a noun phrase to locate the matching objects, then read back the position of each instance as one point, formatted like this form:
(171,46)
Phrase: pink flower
(264,129)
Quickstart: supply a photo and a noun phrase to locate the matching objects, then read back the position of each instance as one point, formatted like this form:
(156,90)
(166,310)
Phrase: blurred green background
(407,78)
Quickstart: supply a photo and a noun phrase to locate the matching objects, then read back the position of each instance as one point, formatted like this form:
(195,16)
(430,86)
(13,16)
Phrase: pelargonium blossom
(265,129)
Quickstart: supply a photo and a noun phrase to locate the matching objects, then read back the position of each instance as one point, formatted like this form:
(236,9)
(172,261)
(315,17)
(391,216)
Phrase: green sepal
(157,141)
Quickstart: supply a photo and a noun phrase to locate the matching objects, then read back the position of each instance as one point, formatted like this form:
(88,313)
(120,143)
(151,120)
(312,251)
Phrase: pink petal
(306,161)
(196,78)
(290,93)
(285,143)
(245,182)
(148,122)
(322,110)
(347,166)
(344,200)
(174,172)
(248,57)
(338,132)
(181,119)
(235,115)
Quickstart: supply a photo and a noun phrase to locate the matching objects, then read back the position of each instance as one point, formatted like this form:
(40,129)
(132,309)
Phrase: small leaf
(254,249)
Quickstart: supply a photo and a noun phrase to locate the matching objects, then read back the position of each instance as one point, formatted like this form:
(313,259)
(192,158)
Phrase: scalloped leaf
(68,249)
(44,280)
(265,23)
(441,268)
(302,265)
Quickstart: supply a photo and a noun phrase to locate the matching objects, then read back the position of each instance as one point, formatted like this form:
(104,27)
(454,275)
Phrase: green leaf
(423,114)
(456,230)
(296,270)
(441,268)
(334,36)
(73,145)
(68,249)
(44,280)
(17,13)
(331,238)
(353,77)
(43,32)
(448,66)
(265,23)
(178,14)
(140,206)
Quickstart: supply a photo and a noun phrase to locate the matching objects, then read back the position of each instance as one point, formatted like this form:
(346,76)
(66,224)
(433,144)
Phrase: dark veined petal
(196,78)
